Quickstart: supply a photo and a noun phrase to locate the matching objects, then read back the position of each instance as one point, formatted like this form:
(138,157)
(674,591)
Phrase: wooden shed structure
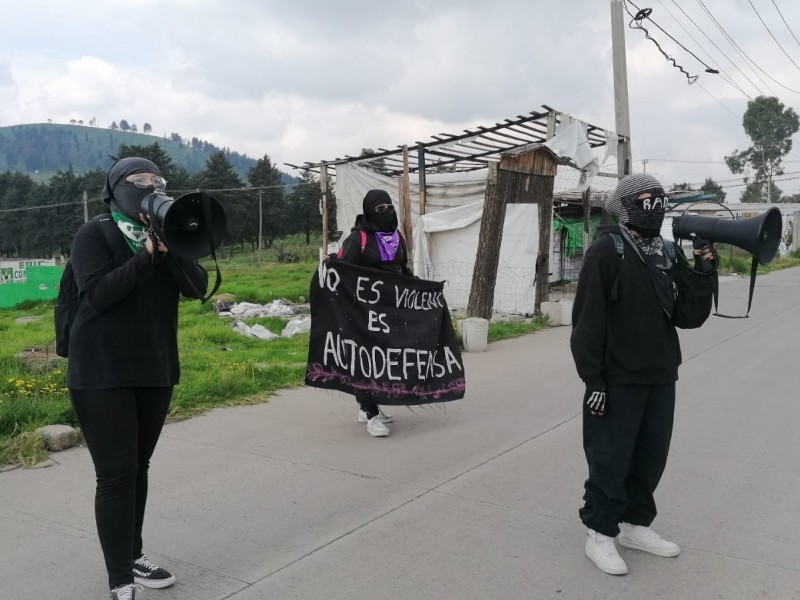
(506,163)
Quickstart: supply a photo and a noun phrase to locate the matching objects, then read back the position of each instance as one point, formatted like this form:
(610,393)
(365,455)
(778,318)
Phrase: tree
(113,126)
(133,128)
(123,125)
(770,127)
(754,193)
(147,128)
(712,187)
(219,174)
(681,187)
(265,174)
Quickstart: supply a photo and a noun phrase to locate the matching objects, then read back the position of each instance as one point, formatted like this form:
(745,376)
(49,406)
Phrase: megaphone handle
(753,271)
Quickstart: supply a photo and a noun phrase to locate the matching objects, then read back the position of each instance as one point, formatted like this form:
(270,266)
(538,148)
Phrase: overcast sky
(311,80)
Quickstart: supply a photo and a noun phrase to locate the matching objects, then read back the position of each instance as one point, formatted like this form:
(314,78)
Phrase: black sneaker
(150,575)
(125,592)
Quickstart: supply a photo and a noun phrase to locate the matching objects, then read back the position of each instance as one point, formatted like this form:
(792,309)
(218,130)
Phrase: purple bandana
(388,243)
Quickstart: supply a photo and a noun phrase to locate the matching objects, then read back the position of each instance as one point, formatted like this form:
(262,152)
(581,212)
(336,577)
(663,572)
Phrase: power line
(646,15)
(636,23)
(744,55)
(733,43)
(785,23)
(772,36)
(724,74)
(713,43)
(737,117)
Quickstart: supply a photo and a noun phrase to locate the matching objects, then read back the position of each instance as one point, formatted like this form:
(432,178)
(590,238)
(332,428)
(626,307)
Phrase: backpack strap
(363,244)
(619,245)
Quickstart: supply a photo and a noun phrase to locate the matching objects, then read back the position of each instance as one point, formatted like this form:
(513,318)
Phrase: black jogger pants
(626,451)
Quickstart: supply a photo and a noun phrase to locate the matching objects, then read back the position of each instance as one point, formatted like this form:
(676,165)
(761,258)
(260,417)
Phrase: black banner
(384,334)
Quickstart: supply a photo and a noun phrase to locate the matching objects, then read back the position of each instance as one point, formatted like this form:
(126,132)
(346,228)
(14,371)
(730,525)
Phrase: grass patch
(503,330)
(219,366)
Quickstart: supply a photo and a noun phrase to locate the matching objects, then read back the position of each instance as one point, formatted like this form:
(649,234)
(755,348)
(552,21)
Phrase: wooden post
(423,186)
(405,203)
(587,222)
(526,175)
(260,222)
(545,202)
(323,187)
(484,275)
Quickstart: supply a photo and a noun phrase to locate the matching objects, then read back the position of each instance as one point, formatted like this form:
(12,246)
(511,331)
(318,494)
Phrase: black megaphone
(760,235)
(191,226)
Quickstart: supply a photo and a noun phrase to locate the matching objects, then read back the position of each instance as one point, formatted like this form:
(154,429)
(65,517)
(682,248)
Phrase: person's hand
(705,253)
(149,245)
(596,402)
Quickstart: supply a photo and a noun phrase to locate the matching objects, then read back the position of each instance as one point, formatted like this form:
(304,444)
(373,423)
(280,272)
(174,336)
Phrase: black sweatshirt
(621,333)
(371,256)
(125,332)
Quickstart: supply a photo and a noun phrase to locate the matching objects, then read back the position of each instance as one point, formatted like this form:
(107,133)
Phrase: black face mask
(128,198)
(385,221)
(645,216)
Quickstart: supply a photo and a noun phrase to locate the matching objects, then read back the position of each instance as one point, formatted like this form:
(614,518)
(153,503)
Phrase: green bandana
(135,233)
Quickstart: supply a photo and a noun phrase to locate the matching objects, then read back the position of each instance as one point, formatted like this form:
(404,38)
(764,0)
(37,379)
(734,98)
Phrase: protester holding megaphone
(634,289)
(123,361)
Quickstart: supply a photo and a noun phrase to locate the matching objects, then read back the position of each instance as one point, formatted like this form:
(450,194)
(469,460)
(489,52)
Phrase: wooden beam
(323,188)
(405,202)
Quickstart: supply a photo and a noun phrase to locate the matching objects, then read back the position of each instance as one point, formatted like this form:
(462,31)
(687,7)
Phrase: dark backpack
(68,294)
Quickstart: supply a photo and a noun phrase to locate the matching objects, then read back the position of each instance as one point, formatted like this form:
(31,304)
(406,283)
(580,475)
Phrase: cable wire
(785,23)
(713,43)
(744,55)
(723,73)
(636,23)
(769,31)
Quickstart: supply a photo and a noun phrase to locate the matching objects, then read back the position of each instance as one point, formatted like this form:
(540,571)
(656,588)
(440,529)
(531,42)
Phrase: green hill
(42,149)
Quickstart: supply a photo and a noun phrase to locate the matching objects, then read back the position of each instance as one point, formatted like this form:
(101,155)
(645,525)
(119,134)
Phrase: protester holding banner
(123,362)
(375,242)
(634,289)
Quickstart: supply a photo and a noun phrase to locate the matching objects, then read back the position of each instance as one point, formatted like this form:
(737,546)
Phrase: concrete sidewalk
(476,500)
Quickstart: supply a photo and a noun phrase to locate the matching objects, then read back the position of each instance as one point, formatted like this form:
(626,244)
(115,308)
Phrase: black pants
(627,452)
(367,404)
(121,428)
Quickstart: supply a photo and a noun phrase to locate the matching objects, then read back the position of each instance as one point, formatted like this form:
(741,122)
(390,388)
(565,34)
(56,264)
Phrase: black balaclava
(374,221)
(643,216)
(122,195)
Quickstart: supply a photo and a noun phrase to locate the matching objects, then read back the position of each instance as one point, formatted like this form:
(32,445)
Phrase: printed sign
(13,271)
(382,333)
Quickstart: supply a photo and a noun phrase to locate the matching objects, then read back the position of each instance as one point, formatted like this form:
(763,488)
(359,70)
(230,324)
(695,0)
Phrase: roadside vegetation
(219,366)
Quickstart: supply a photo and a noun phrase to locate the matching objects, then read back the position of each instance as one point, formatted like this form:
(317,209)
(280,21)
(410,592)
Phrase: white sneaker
(377,428)
(645,539)
(602,552)
(383,416)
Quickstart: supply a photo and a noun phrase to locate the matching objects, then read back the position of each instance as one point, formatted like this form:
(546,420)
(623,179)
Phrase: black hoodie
(621,332)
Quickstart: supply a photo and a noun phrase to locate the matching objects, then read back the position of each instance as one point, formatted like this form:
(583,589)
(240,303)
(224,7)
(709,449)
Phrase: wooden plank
(405,202)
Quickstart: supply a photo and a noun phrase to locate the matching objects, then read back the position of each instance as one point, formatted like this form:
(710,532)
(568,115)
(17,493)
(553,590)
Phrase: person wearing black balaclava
(384,248)
(626,351)
(123,361)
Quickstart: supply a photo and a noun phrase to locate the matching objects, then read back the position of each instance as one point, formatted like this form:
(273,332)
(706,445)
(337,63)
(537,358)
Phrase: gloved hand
(595,400)
(705,255)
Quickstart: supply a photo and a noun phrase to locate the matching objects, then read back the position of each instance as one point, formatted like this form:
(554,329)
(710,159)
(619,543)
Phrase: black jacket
(371,256)
(125,332)
(621,332)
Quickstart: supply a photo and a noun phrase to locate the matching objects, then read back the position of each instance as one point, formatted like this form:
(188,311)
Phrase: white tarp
(444,190)
(446,243)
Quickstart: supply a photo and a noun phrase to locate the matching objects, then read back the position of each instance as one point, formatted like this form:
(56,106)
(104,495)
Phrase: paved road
(293,500)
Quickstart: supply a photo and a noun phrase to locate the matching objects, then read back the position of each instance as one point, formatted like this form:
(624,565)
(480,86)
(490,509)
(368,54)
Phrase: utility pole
(85,206)
(644,164)
(621,108)
(260,221)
